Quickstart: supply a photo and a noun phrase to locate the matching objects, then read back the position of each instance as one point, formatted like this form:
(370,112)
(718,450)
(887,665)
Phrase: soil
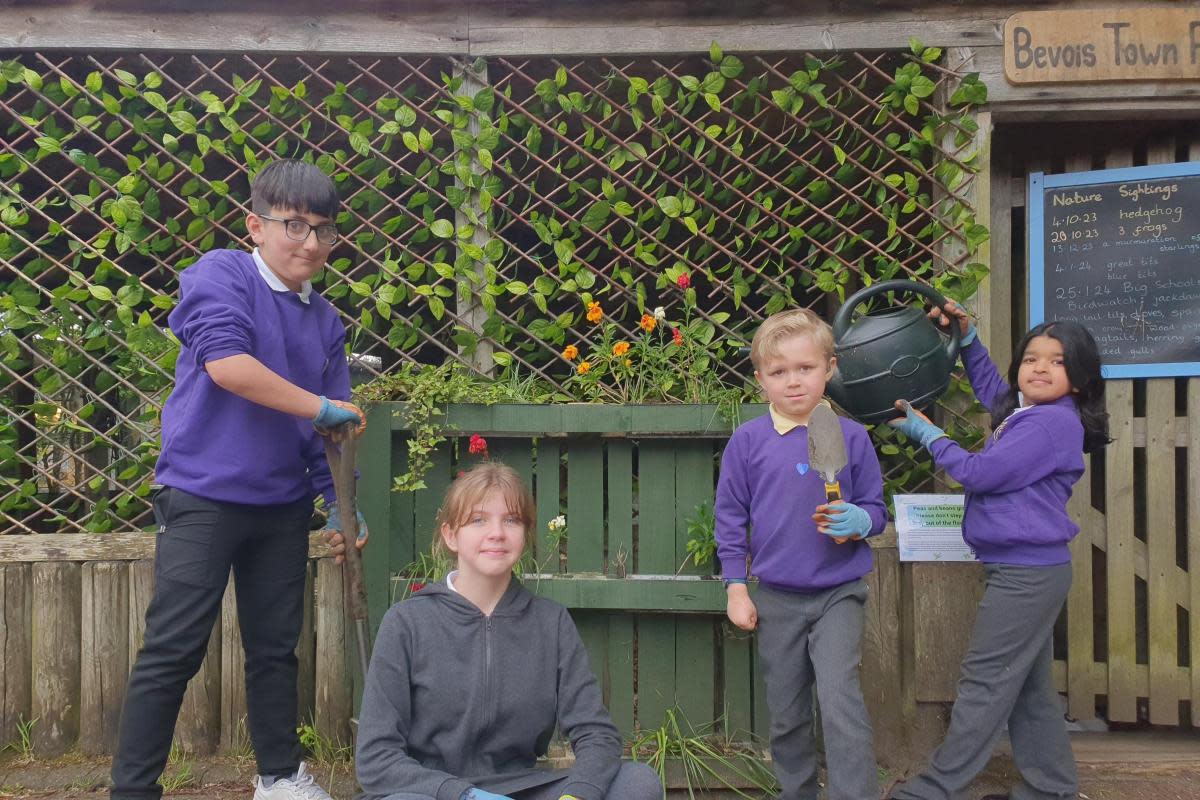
(1111,767)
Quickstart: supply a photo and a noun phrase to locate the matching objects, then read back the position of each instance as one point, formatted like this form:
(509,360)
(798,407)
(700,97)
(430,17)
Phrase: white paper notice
(929,527)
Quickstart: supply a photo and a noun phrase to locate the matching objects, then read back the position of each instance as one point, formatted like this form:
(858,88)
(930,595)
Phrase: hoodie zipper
(487,671)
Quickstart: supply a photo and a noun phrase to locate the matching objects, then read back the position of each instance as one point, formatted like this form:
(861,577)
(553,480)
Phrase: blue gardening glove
(846,520)
(333,414)
(969,336)
(916,425)
(475,793)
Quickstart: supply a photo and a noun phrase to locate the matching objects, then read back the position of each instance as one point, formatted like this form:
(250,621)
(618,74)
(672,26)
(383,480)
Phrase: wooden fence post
(56,640)
(105,640)
(16,649)
(333,696)
(234,733)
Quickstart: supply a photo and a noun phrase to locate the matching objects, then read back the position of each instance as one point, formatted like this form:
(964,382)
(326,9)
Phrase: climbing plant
(498,215)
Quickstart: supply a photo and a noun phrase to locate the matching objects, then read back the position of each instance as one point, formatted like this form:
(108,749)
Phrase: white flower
(558,523)
(660,313)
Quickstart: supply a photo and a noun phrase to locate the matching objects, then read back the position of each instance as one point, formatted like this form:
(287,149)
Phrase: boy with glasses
(261,376)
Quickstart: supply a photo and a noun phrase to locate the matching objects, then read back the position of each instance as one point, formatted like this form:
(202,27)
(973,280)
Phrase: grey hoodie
(456,699)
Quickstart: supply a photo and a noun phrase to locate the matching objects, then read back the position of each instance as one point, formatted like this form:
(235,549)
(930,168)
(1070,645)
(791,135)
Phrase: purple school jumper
(1018,486)
(220,446)
(766,483)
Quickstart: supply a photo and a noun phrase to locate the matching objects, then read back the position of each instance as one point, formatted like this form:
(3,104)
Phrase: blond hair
(470,488)
(788,325)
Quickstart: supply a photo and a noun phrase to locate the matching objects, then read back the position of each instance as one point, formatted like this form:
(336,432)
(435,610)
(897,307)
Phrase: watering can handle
(841,321)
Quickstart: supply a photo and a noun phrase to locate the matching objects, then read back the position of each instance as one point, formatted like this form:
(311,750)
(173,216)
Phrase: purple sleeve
(732,510)
(981,371)
(866,478)
(213,319)
(335,384)
(1024,454)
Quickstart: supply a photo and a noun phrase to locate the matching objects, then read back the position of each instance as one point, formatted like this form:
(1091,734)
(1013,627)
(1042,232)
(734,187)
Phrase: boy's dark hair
(296,186)
(1081,358)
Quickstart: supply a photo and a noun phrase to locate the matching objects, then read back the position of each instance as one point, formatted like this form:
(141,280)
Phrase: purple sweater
(217,445)
(1017,487)
(766,483)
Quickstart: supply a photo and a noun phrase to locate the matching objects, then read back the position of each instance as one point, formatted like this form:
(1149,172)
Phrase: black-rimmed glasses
(297,229)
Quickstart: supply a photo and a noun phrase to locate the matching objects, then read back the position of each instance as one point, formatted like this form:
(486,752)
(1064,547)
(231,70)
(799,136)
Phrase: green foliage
(23,744)
(478,219)
(706,759)
(702,537)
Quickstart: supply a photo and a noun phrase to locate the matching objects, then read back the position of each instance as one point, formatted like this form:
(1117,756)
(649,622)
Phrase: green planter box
(627,478)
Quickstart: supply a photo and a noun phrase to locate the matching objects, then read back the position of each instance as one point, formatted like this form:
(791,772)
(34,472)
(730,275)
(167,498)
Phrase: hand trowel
(827,452)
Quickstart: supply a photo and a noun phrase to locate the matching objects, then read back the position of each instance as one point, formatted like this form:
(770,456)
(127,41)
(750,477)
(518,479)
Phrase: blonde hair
(788,325)
(470,488)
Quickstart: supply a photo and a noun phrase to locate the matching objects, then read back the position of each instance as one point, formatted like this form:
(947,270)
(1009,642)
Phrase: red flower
(415,586)
(460,473)
(477,445)
(683,281)
(677,336)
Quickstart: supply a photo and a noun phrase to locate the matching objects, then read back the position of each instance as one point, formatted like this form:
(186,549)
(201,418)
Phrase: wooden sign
(1117,250)
(1109,44)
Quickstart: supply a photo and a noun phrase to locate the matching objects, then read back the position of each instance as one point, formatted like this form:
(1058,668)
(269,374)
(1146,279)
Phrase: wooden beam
(18,548)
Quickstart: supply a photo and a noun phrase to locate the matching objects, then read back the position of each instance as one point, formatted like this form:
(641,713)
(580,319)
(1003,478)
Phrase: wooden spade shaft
(341,466)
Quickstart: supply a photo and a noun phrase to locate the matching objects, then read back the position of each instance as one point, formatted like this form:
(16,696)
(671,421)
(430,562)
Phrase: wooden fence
(628,478)
(72,615)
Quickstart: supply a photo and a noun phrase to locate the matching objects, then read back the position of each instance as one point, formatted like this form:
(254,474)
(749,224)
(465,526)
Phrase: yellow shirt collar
(784,424)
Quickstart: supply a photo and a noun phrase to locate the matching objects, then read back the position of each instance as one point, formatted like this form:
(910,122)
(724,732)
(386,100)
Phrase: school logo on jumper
(802,469)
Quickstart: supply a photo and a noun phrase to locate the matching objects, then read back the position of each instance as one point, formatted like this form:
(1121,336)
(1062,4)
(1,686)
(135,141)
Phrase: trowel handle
(833,494)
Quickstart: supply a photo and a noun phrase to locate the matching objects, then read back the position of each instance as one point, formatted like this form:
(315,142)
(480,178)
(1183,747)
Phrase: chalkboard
(1119,251)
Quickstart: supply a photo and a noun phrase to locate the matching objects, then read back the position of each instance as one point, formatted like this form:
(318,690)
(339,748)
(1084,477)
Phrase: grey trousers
(1006,678)
(806,639)
(634,781)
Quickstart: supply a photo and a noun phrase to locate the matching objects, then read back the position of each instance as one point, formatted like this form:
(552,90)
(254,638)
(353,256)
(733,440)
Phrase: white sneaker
(301,787)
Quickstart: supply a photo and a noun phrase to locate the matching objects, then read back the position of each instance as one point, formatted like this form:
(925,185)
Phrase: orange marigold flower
(584,367)
(594,312)
(648,323)
(629,362)
(570,352)
(620,349)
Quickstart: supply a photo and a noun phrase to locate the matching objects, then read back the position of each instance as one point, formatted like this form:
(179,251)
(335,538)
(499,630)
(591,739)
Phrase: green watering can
(890,354)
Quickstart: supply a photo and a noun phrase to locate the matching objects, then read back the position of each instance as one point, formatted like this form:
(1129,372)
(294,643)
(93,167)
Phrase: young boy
(242,459)
(808,606)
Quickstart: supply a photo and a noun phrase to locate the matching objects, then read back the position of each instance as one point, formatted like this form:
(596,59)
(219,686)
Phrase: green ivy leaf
(442,228)
(670,206)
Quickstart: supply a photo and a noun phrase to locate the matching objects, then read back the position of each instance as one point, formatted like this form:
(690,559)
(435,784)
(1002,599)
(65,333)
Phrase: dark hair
(1081,358)
(296,186)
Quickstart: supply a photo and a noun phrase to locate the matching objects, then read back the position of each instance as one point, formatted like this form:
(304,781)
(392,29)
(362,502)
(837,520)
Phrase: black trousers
(199,541)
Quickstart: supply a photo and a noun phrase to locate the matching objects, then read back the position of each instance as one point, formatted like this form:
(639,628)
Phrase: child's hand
(916,425)
(943,315)
(333,533)
(842,520)
(336,413)
(740,608)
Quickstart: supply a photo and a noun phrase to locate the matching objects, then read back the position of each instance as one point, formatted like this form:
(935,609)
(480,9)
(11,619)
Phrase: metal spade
(827,452)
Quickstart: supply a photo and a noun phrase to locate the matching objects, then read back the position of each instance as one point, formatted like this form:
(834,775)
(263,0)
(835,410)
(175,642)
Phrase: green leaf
(94,82)
(731,67)
(839,154)
(49,144)
(100,292)
(442,228)
(360,144)
(922,86)
(714,52)
(911,104)
(596,215)
(410,141)
(670,206)
(437,307)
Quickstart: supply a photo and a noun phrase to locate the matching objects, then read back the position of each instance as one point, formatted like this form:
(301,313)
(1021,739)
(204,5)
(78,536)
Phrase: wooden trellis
(486,204)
